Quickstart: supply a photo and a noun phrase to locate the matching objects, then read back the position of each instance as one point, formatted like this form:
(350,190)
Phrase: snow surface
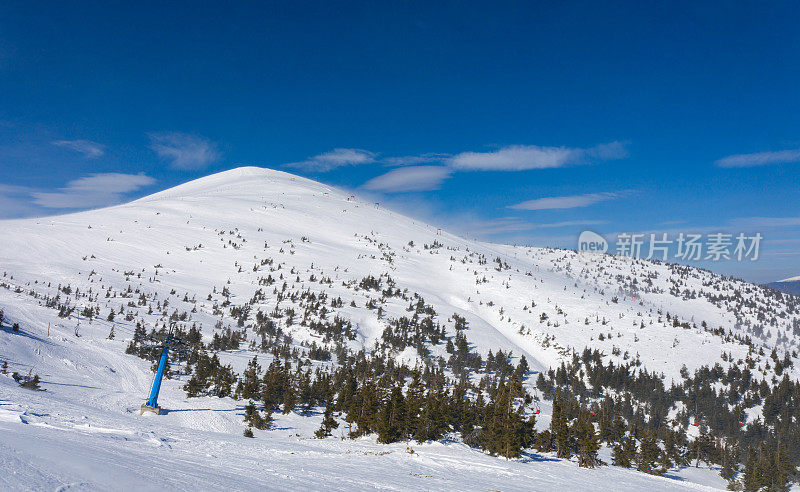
(84,431)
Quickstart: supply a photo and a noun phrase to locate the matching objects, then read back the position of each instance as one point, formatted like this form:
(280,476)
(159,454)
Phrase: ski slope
(186,244)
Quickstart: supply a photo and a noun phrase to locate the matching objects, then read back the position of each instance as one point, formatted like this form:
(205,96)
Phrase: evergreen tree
(31,383)
(751,480)
(305,392)
(414,401)
(289,397)
(365,408)
(649,454)
(784,467)
(671,447)
(624,452)
(253,417)
(702,447)
(250,383)
(560,429)
(328,422)
(392,417)
(504,431)
(544,442)
(730,466)
(588,443)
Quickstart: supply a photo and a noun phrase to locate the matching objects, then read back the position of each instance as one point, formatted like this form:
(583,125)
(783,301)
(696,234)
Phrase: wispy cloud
(90,150)
(14,201)
(334,159)
(501,225)
(571,223)
(431,169)
(95,190)
(766,222)
(525,157)
(760,159)
(505,225)
(414,160)
(184,151)
(411,178)
(560,202)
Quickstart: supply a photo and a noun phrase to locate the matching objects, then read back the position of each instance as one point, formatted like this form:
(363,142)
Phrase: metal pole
(153,400)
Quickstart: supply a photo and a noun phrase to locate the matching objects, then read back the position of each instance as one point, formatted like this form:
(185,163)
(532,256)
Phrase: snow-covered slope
(183,246)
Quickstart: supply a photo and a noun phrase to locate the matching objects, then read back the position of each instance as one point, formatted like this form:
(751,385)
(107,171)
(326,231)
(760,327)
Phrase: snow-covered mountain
(790,285)
(218,250)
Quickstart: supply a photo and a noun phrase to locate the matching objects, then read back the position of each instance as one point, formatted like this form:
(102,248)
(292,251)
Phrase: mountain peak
(245,180)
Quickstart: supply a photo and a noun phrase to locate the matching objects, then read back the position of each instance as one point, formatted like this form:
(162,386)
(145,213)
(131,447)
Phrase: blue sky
(509,121)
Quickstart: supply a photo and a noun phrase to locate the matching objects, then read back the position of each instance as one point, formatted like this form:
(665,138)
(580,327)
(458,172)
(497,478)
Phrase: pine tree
(588,443)
(529,433)
(272,385)
(414,401)
(392,417)
(751,480)
(424,424)
(328,422)
(111,333)
(365,409)
(784,466)
(305,392)
(648,454)
(671,447)
(664,462)
(250,383)
(504,431)
(267,418)
(729,464)
(253,417)
(289,397)
(31,383)
(560,429)
(624,452)
(701,447)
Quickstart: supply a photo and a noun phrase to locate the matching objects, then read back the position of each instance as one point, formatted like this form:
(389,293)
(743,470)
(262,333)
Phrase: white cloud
(413,160)
(14,202)
(560,202)
(571,223)
(504,225)
(524,157)
(184,151)
(760,159)
(411,178)
(333,159)
(766,222)
(90,150)
(95,190)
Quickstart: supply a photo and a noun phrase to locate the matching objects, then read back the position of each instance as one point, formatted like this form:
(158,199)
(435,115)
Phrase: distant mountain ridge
(790,285)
